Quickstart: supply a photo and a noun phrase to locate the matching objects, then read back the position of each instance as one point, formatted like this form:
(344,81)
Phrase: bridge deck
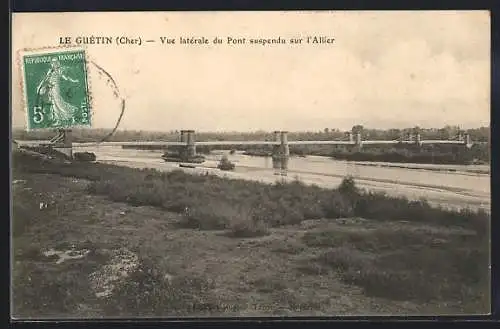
(222,143)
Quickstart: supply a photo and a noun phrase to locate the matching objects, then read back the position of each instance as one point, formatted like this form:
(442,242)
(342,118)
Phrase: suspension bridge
(280,143)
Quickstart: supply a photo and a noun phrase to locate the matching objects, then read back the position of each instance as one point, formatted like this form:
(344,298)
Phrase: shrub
(225,164)
(348,186)
(405,265)
(337,205)
(84,156)
(247,228)
(209,216)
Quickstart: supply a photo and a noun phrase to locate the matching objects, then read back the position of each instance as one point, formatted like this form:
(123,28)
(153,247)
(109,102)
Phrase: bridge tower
(276,151)
(65,142)
(183,136)
(418,139)
(467,141)
(284,152)
(351,138)
(358,142)
(190,143)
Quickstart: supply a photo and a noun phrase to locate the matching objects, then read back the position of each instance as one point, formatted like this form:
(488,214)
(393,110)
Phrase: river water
(465,186)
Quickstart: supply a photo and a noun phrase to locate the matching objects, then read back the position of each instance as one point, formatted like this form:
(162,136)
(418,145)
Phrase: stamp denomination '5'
(56,89)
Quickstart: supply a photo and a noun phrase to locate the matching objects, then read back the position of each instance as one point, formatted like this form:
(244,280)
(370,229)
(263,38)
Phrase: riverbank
(429,167)
(453,190)
(405,154)
(245,248)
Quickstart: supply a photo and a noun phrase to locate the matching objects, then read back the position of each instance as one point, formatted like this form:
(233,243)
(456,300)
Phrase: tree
(357,129)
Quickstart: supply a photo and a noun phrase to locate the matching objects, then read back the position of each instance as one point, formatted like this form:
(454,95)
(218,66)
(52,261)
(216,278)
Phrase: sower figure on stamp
(50,88)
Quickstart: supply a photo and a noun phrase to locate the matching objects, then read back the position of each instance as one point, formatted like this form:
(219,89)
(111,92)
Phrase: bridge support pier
(65,145)
(183,136)
(418,139)
(351,138)
(281,151)
(358,142)
(467,141)
(190,144)
(285,151)
(276,151)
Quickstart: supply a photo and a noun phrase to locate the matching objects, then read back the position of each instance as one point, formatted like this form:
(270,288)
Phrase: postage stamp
(56,90)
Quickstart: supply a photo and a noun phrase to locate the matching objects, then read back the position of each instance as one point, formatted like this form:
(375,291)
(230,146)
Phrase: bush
(337,205)
(84,156)
(246,226)
(406,265)
(210,216)
(348,186)
(225,164)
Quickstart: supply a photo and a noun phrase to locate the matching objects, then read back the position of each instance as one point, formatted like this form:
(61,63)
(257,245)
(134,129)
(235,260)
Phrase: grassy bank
(380,248)
(279,204)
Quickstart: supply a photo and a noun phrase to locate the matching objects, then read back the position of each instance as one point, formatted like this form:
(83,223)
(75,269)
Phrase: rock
(105,280)
(63,256)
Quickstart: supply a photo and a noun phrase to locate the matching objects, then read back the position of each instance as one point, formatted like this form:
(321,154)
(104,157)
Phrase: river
(465,186)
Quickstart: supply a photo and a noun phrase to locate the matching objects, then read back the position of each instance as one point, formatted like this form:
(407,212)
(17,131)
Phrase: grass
(217,201)
(404,264)
(284,248)
(156,294)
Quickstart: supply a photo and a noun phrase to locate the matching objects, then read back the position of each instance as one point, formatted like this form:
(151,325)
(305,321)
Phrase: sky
(384,69)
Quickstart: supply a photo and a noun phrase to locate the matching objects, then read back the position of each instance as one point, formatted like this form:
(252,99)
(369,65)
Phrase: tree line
(481,134)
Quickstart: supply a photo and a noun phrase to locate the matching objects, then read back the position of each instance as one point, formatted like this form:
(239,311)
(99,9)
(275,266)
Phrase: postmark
(56,89)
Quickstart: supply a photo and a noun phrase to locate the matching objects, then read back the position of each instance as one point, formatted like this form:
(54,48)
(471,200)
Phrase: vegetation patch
(405,265)
(248,228)
(209,216)
(84,156)
(43,287)
(149,292)
(386,259)
(218,201)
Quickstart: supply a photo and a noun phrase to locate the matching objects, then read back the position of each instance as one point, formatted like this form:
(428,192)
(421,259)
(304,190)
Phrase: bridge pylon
(191,143)
(183,136)
(467,141)
(281,152)
(351,138)
(358,142)
(418,139)
(285,152)
(276,151)
(63,142)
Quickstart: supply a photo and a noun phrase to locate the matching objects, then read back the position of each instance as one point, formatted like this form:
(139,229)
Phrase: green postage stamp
(56,91)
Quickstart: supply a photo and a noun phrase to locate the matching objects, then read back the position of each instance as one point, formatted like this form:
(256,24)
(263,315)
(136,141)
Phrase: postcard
(250,164)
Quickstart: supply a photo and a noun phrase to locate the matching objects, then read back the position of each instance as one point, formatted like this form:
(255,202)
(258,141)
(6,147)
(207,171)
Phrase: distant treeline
(430,153)
(435,154)
(88,135)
